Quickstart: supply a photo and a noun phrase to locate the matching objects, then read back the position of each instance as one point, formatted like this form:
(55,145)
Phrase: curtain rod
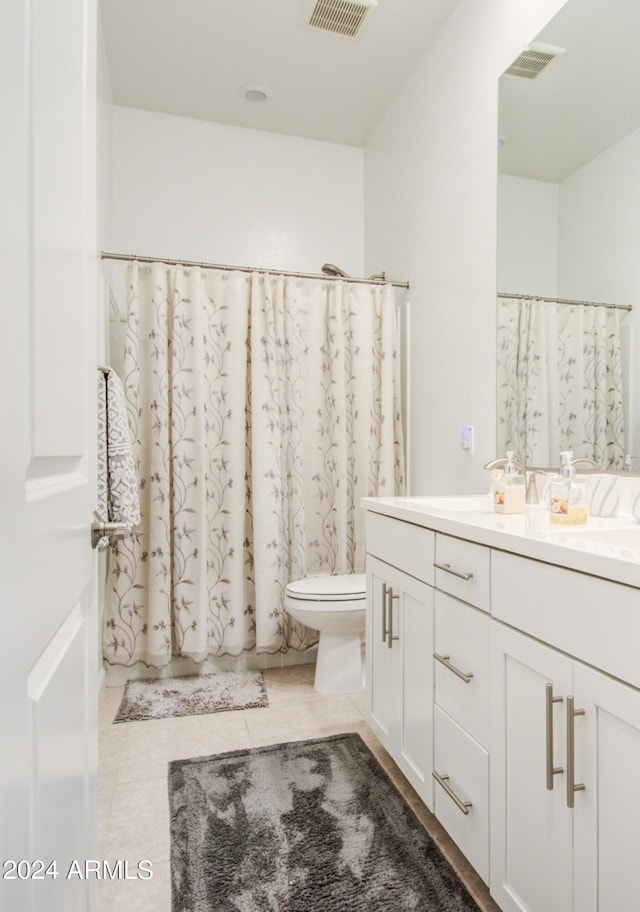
(523,297)
(298,275)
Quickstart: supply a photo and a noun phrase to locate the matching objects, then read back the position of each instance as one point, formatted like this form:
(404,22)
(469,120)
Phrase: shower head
(330,270)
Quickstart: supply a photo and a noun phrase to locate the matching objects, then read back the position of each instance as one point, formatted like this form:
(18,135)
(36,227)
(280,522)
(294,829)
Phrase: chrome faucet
(531,497)
(587,460)
(498,463)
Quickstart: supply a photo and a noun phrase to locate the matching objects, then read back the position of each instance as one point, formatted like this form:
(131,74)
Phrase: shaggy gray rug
(192,696)
(309,826)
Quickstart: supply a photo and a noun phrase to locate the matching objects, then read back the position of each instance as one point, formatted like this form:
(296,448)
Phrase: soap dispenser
(509,488)
(568,494)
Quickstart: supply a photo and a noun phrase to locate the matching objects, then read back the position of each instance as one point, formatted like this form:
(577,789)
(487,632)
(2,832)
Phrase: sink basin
(474,503)
(619,538)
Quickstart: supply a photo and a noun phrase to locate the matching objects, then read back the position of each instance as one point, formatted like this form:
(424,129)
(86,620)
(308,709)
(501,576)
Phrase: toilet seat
(342,588)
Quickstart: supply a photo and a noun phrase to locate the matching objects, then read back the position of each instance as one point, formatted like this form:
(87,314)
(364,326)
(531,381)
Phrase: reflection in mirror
(568,229)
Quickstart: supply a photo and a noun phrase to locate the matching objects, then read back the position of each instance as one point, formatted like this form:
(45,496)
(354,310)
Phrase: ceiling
(191,57)
(585,101)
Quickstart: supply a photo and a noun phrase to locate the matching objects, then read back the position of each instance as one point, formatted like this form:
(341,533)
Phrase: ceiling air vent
(340,17)
(533,60)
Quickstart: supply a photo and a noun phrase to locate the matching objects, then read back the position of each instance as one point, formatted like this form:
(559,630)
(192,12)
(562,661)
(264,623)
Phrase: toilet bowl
(335,606)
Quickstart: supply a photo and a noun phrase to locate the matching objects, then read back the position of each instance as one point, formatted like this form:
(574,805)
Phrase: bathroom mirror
(569,228)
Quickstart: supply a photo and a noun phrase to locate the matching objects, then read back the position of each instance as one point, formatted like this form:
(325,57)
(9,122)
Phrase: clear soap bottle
(568,494)
(509,488)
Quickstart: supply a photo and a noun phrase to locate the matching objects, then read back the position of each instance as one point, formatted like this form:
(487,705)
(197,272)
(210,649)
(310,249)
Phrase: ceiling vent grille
(340,17)
(533,61)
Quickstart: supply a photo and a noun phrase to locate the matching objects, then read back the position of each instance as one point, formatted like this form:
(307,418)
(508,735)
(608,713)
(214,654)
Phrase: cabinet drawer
(462,635)
(592,619)
(409,548)
(463,570)
(466,764)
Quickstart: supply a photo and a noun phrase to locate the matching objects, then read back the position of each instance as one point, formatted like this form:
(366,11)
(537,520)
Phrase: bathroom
(416,198)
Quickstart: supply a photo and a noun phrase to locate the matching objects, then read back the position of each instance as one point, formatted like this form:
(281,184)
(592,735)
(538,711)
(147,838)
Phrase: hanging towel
(118,499)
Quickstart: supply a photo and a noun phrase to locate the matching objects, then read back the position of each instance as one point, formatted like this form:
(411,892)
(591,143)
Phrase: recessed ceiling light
(255,93)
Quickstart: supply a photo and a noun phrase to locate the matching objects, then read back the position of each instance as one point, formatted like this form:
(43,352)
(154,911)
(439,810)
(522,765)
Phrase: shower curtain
(263,408)
(559,382)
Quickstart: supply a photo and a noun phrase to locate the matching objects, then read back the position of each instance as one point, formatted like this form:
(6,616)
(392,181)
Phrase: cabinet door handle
(551,769)
(465,676)
(443,781)
(384,612)
(390,636)
(572,786)
(461,574)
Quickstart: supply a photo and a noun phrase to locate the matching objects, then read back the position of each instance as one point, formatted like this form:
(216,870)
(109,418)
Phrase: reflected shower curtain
(263,408)
(559,382)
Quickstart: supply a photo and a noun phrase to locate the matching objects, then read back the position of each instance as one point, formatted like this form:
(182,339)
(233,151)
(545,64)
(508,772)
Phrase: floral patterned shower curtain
(263,408)
(559,382)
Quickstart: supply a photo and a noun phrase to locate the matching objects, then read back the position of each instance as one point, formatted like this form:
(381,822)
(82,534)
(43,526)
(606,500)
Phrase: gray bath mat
(192,696)
(309,826)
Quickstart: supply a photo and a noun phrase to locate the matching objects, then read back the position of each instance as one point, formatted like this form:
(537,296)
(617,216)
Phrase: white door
(530,824)
(412,621)
(382,655)
(49,653)
(607,760)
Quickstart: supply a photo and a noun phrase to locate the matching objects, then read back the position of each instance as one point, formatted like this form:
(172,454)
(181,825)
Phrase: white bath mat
(192,696)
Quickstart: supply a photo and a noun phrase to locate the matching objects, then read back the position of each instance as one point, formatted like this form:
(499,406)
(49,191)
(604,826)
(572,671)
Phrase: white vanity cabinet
(399,647)
(528,716)
(565,756)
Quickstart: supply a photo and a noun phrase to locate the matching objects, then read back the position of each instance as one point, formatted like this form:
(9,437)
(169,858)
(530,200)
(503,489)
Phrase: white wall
(527,236)
(103,143)
(599,231)
(185,188)
(430,215)
(578,239)
(600,226)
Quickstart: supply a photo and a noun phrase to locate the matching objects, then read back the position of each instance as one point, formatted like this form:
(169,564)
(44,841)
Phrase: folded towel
(118,498)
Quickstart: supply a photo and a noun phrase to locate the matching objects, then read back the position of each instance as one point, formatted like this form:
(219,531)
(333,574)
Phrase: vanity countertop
(603,547)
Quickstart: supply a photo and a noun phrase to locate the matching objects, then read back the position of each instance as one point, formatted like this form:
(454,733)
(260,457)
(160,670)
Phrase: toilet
(335,606)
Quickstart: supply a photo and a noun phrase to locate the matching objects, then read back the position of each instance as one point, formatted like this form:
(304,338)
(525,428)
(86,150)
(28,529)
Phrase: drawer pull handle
(465,676)
(384,612)
(390,637)
(551,769)
(459,803)
(572,785)
(461,574)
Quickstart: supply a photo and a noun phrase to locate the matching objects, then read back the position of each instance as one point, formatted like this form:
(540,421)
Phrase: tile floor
(133,804)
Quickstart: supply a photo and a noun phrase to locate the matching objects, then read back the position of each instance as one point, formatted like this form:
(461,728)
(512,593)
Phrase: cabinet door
(607,760)
(531,826)
(383,681)
(414,612)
